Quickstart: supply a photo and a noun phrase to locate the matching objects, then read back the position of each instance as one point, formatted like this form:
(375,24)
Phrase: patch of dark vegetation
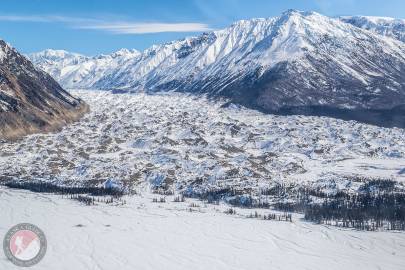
(83,199)
(179,199)
(230,211)
(84,195)
(377,185)
(44,187)
(160,200)
(271,216)
(242,201)
(214,196)
(240,197)
(91,200)
(361,211)
(193,205)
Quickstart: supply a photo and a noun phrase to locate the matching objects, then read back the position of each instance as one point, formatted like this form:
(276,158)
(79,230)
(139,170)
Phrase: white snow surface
(142,139)
(145,235)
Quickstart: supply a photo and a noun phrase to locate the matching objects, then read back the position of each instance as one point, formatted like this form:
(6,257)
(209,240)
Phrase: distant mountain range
(299,62)
(390,27)
(31,100)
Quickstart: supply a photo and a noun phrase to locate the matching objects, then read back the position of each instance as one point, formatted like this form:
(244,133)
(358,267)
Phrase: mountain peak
(291,12)
(54,55)
(125,52)
(295,12)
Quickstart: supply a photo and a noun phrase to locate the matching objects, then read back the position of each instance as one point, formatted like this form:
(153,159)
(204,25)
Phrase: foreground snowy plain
(191,144)
(146,235)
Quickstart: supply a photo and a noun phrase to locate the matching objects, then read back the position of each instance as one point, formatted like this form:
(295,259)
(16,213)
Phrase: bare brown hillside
(30,100)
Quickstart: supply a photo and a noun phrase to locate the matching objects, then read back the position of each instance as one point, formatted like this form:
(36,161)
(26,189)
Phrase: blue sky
(103,26)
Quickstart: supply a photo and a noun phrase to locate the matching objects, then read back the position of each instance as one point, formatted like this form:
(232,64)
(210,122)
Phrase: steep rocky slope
(31,100)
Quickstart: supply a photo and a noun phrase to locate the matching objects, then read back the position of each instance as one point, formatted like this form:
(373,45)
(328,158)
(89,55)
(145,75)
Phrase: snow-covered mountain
(298,62)
(390,27)
(74,70)
(30,99)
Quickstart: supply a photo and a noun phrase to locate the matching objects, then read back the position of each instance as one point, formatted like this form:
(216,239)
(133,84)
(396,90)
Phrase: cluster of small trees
(214,195)
(91,200)
(230,211)
(86,195)
(179,199)
(160,200)
(83,199)
(44,187)
(376,205)
(194,205)
(272,216)
(361,211)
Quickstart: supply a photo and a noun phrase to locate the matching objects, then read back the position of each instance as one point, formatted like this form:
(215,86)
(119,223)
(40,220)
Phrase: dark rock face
(30,100)
(381,102)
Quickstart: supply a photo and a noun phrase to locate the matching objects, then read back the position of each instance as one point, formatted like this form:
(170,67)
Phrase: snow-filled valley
(190,144)
(146,235)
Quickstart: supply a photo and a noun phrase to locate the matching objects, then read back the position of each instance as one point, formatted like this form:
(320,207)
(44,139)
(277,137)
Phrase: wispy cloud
(143,28)
(17,18)
(111,26)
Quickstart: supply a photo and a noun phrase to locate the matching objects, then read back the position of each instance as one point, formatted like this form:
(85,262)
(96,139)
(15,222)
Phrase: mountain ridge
(386,26)
(298,60)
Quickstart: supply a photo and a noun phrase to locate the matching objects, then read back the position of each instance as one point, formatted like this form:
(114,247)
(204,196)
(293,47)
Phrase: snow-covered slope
(52,56)
(54,61)
(390,27)
(76,70)
(299,61)
(30,99)
(174,236)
